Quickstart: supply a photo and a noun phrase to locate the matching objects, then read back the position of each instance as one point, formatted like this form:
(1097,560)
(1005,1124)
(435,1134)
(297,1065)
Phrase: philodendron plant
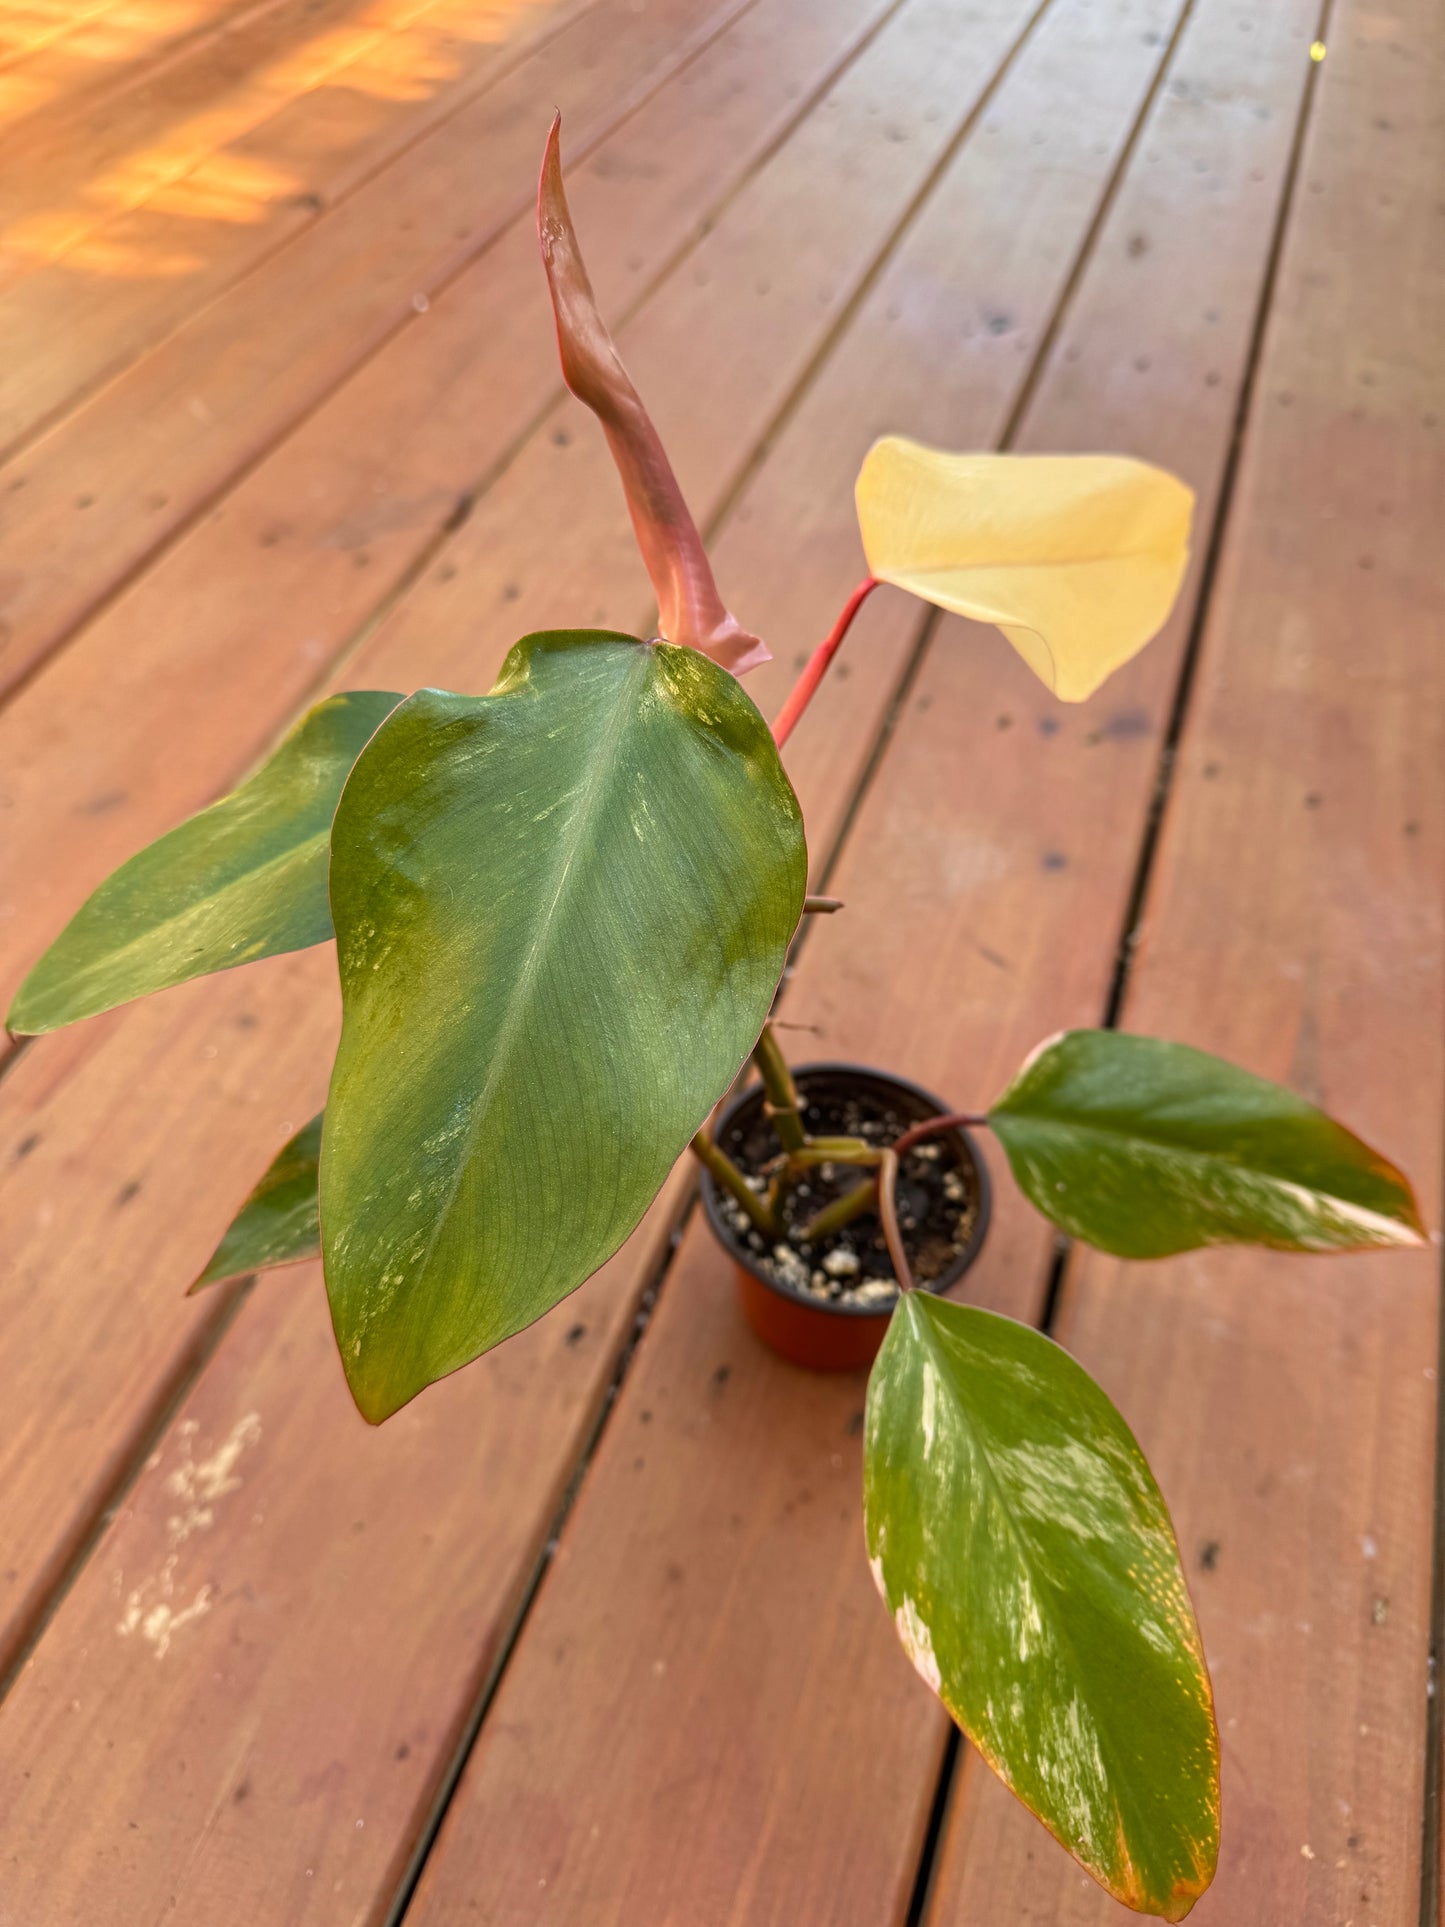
(562,911)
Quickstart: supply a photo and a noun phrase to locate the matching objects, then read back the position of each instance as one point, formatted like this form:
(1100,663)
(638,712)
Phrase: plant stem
(828,1150)
(935,1126)
(782,1092)
(888,1212)
(804,688)
(842,1211)
(734,1183)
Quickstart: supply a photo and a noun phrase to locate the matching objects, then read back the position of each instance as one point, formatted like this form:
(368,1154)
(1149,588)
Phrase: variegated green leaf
(277,1225)
(561,911)
(245,878)
(1146,1148)
(1021,1545)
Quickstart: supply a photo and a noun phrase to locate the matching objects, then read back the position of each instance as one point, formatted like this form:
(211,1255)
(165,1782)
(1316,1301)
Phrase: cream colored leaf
(1077,558)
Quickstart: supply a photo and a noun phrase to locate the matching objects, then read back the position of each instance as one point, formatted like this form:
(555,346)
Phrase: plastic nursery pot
(839,1334)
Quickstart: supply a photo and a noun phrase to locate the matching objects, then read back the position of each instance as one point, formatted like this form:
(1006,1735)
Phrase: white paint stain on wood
(154,1611)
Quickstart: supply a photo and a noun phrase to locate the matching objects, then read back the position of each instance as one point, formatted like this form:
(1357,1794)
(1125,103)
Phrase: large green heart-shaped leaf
(1146,1148)
(1021,1545)
(245,878)
(277,1225)
(561,912)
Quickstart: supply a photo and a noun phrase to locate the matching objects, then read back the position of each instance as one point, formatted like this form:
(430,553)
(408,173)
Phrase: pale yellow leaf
(1077,558)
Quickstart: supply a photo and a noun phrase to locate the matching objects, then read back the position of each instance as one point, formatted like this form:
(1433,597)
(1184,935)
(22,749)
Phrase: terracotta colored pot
(834,1336)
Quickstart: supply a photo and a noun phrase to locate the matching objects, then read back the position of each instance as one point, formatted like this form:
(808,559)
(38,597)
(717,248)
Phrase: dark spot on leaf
(674,1573)
(1138,244)
(1209,1555)
(107,800)
(126,1192)
(561,438)
(1412,828)
(1003,722)
(308,203)
(721,1376)
(511,592)
(854,1425)
(999,324)
(1210,771)
(1055,860)
(26,1145)
(1313,799)
(247,1020)
(645,1417)
(243,1791)
(1048,725)
(85,501)
(576,1334)
(403,1752)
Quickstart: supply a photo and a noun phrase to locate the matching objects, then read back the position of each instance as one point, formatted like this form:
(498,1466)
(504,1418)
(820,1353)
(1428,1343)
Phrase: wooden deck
(586,1635)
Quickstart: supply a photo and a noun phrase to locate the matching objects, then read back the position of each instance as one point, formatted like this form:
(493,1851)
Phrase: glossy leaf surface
(244,879)
(1026,1556)
(562,911)
(690,610)
(1077,558)
(1145,1148)
(277,1224)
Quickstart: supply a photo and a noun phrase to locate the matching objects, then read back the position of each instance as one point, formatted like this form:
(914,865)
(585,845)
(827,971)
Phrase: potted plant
(562,911)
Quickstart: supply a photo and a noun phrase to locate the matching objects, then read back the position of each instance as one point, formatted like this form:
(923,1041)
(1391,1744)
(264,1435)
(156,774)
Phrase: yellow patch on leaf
(1077,558)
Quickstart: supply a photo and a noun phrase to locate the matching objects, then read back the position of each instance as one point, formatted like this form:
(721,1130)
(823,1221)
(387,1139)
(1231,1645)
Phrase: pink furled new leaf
(690,610)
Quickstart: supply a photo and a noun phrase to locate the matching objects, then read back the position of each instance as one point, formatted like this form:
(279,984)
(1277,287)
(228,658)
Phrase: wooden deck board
(256,1714)
(75,324)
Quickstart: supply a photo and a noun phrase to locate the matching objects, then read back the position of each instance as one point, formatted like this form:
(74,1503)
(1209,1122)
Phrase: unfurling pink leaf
(690,610)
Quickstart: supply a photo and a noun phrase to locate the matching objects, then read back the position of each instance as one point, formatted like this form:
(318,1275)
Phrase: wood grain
(174,145)
(62,64)
(401,220)
(1294,923)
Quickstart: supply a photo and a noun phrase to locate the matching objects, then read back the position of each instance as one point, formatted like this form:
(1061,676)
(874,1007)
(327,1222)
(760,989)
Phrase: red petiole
(804,688)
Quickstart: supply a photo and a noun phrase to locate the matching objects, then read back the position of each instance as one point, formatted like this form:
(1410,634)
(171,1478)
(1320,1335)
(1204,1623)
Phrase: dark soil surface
(938,1196)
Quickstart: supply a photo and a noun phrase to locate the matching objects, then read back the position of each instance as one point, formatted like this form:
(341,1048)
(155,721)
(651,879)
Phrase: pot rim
(832,1307)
